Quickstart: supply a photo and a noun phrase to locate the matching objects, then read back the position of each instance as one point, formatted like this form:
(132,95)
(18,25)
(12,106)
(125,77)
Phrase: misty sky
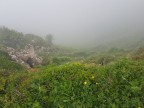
(74,21)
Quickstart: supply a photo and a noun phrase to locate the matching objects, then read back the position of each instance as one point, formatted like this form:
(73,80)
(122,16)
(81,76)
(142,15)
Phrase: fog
(75,22)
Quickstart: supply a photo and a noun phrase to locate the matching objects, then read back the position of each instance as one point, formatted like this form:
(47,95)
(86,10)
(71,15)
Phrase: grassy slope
(8,69)
(129,43)
(76,85)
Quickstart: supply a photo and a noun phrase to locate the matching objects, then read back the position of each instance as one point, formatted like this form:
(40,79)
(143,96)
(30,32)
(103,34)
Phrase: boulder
(26,57)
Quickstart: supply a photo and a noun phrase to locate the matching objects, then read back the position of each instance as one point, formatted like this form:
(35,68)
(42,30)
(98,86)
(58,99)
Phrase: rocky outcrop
(26,57)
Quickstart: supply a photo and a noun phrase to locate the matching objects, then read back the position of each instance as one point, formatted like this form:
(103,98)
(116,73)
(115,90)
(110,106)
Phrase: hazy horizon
(75,22)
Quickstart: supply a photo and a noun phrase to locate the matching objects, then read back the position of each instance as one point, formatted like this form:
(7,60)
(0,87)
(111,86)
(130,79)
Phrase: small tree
(49,39)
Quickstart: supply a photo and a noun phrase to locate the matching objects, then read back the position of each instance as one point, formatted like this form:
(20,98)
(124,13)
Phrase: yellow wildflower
(85,83)
(97,83)
(92,77)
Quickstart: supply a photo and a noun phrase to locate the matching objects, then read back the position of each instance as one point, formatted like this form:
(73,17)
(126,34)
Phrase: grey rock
(26,57)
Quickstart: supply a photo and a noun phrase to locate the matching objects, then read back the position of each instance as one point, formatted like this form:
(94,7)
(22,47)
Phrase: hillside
(26,49)
(18,40)
(128,43)
(103,77)
(76,85)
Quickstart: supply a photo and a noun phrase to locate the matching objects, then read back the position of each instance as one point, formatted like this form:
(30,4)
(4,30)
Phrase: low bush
(73,85)
(60,60)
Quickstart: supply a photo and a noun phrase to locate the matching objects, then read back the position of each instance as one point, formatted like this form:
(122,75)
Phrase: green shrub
(74,85)
(60,60)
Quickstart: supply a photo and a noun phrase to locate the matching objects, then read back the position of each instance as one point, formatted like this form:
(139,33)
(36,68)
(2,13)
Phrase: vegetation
(18,40)
(78,85)
(112,78)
